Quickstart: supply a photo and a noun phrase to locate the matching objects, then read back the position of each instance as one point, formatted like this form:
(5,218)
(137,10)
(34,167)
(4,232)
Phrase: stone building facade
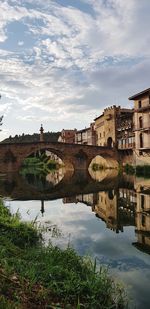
(86,136)
(142,126)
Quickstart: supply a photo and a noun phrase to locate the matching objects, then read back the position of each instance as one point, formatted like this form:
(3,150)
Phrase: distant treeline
(25,138)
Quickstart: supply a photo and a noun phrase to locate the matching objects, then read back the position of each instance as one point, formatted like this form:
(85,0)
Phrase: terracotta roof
(138,95)
(83,130)
(99,117)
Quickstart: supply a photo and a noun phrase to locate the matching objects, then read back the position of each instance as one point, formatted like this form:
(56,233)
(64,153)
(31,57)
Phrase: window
(142,201)
(141,122)
(143,220)
(140,104)
(141,140)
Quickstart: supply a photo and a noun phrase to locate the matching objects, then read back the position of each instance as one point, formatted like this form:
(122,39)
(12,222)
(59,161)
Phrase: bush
(129,169)
(143,170)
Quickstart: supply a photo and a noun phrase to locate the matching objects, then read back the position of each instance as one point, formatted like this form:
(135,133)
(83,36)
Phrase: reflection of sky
(89,235)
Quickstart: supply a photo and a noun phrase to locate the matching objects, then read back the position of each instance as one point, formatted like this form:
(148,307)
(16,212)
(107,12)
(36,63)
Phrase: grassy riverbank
(34,276)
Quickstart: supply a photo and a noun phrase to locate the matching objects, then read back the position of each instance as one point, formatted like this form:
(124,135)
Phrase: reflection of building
(115,209)
(88,199)
(114,128)
(106,209)
(56,176)
(143,231)
(143,195)
(52,156)
(122,207)
(69,200)
(67,136)
(142,126)
(86,136)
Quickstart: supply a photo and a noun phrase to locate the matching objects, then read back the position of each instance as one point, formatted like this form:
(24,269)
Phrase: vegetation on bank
(139,170)
(98,167)
(39,165)
(35,276)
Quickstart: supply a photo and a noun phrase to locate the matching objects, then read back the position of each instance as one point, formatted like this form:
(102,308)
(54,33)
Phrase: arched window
(109,142)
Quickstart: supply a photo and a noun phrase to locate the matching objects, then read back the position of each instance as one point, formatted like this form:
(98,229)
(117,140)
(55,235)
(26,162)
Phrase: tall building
(142,126)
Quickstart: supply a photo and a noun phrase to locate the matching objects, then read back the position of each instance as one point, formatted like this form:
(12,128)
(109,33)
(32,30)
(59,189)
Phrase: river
(100,214)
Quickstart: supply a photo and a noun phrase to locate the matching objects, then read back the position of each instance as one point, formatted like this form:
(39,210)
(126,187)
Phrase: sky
(63,61)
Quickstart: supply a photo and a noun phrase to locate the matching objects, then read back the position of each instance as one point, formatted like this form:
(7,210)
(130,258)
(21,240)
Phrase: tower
(41,134)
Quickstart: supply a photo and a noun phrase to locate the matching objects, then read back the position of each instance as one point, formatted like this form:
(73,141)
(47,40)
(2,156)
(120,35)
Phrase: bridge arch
(55,151)
(103,162)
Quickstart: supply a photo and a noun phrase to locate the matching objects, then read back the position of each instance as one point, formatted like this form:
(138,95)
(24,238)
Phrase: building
(114,128)
(124,128)
(67,136)
(142,126)
(86,136)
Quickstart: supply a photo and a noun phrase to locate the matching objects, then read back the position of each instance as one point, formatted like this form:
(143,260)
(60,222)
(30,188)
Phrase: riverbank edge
(137,170)
(35,276)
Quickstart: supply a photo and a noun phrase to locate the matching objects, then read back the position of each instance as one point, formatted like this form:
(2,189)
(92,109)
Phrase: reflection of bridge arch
(73,155)
(16,187)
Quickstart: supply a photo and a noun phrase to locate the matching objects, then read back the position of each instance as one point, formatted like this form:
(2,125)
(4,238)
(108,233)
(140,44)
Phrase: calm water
(99,214)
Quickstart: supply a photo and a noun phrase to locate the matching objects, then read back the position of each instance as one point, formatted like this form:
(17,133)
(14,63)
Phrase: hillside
(25,138)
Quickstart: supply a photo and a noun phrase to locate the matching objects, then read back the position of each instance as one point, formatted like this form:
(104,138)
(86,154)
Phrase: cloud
(73,61)
(20,43)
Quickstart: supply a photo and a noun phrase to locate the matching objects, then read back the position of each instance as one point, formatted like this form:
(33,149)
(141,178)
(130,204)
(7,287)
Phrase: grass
(35,276)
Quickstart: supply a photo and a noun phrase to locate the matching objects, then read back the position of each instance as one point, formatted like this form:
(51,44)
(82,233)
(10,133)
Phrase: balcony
(144,148)
(145,126)
(126,146)
(142,109)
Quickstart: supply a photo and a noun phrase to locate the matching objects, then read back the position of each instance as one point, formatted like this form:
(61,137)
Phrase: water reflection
(106,215)
(120,208)
(117,201)
(44,181)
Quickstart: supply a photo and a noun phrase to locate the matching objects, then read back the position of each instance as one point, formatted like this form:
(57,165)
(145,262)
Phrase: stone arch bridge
(74,156)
